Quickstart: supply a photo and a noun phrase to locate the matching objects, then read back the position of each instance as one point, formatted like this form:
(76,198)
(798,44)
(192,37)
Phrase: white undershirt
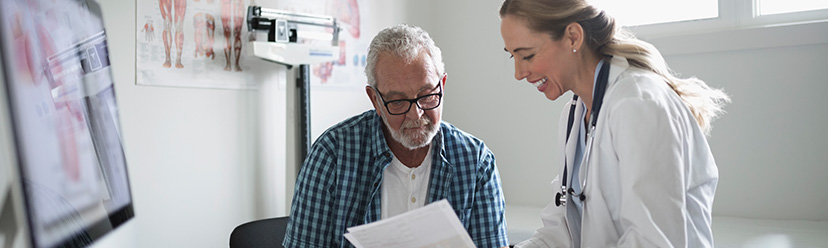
(404,189)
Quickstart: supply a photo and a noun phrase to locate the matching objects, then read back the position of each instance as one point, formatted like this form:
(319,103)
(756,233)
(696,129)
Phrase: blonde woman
(637,170)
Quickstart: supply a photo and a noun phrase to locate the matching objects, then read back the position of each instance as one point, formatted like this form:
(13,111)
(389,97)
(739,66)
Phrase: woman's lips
(540,84)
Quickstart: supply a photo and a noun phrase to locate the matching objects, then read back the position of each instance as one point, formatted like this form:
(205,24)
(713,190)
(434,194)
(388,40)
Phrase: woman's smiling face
(545,63)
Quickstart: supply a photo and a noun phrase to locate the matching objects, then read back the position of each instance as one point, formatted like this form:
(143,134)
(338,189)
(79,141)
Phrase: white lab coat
(651,175)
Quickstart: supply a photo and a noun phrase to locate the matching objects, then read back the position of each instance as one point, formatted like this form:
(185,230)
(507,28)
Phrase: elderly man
(398,156)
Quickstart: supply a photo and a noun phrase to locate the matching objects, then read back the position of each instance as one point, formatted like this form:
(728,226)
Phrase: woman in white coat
(648,177)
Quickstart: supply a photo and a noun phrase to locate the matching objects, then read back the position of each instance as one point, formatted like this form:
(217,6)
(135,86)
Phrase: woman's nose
(520,74)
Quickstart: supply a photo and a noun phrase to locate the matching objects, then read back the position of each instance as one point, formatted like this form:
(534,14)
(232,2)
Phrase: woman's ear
(574,34)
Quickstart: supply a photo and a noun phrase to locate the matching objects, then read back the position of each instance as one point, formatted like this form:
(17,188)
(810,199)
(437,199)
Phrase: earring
(574,51)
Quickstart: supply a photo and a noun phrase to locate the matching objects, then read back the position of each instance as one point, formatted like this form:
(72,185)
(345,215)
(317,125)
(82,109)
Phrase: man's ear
(373,97)
(574,35)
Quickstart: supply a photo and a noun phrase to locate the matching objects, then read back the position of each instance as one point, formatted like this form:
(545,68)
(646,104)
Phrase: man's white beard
(414,139)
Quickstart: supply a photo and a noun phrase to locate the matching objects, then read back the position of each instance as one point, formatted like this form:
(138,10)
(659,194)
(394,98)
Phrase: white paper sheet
(434,225)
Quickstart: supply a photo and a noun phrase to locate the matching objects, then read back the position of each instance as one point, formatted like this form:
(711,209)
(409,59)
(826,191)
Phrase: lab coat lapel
(569,151)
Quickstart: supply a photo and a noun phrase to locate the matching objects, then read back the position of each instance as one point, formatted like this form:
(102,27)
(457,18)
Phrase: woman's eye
(529,57)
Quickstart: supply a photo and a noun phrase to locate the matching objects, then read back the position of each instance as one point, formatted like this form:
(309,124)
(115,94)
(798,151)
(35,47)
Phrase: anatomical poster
(352,15)
(206,43)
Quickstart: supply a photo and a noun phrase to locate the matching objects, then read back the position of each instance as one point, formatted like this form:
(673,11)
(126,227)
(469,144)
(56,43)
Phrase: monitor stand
(11,233)
(8,219)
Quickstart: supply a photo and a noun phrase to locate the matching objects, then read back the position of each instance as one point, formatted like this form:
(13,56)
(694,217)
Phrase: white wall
(769,146)
(193,153)
(484,99)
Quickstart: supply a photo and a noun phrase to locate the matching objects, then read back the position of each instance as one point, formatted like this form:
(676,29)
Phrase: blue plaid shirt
(339,184)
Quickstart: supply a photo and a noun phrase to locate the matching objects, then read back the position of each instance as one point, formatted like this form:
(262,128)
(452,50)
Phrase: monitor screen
(64,119)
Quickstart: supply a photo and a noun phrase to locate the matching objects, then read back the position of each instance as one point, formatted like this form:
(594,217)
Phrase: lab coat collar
(618,65)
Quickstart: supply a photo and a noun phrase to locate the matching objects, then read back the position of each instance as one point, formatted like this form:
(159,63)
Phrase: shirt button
(413,176)
(413,199)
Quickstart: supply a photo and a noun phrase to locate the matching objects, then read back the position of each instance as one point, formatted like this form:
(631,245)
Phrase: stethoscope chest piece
(560,199)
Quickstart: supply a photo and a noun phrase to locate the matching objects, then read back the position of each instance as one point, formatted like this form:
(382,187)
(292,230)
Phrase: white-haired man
(398,156)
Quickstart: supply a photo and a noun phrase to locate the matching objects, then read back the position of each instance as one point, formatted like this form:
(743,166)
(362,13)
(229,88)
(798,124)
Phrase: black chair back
(259,233)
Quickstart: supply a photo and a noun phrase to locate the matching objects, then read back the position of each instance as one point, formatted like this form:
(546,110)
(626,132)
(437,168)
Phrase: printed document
(434,225)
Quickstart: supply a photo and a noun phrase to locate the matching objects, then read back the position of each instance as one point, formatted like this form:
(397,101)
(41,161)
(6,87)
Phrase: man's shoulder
(363,118)
(353,125)
(456,133)
(456,139)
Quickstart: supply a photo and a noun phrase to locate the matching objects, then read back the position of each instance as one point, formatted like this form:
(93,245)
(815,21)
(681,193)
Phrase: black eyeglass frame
(415,101)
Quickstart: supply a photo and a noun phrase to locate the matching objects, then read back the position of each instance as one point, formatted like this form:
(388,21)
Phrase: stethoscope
(598,99)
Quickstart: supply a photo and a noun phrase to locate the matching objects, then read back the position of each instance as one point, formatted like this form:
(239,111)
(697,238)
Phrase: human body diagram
(173,16)
(148,30)
(191,25)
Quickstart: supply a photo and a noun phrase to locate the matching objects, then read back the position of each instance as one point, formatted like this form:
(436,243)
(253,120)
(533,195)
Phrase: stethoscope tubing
(600,89)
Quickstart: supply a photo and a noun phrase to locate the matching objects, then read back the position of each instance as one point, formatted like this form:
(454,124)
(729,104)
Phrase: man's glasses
(402,106)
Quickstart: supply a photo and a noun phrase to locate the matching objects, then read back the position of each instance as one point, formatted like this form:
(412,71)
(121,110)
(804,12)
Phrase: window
(688,27)
(770,7)
(666,18)
(630,13)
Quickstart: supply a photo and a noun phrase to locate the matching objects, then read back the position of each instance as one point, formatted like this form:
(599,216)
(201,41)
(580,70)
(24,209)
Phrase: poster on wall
(349,70)
(205,43)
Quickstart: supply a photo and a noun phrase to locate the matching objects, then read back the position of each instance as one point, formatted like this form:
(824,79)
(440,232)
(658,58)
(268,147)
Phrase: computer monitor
(64,120)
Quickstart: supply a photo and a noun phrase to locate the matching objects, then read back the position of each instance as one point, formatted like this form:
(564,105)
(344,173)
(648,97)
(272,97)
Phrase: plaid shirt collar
(441,171)
(381,147)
